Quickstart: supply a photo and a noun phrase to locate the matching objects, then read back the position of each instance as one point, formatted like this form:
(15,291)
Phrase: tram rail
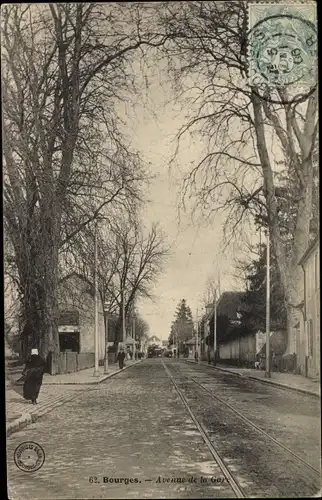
(232,481)
(228,475)
(254,426)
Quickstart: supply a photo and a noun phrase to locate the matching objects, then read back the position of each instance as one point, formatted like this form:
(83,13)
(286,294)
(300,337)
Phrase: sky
(197,250)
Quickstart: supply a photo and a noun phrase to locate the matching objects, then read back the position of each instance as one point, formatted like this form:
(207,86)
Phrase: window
(69,341)
(310,337)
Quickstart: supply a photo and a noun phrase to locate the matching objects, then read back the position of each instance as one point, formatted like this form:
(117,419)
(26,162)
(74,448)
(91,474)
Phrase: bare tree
(140,261)
(129,264)
(251,142)
(142,329)
(213,289)
(63,68)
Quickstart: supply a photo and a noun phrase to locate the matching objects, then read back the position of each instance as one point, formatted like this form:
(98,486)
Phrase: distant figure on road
(131,355)
(209,359)
(120,358)
(33,375)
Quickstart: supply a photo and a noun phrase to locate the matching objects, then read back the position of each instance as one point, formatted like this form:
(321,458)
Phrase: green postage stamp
(282,50)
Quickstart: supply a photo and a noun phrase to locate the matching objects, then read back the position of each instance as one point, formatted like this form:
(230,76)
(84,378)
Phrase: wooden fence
(69,362)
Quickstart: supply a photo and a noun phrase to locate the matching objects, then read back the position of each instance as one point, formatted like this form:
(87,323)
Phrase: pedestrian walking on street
(131,355)
(120,358)
(33,376)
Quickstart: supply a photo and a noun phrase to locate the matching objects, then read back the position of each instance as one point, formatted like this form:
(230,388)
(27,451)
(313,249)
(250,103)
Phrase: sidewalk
(53,393)
(86,377)
(289,381)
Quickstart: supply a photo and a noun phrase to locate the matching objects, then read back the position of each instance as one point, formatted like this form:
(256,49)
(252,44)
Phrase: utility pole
(106,312)
(106,347)
(133,333)
(123,319)
(197,338)
(268,361)
(215,328)
(177,345)
(199,342)
(96,369)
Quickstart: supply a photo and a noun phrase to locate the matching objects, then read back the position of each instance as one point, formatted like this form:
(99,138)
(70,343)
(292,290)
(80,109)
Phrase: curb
(28,418)
(18,424)
(286,387)
(101,379)
(109,375)
(264,381)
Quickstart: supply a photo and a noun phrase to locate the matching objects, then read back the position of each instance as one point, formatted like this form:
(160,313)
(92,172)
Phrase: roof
(315,243)
(229,303)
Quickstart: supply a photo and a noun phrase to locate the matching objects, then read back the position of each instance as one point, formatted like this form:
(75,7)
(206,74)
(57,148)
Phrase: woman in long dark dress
(33,375)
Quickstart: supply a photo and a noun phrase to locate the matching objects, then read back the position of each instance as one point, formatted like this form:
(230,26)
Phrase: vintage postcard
(161,250)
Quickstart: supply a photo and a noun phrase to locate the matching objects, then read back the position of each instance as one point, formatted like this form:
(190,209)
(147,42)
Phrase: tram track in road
(258,429)
(229,477)
(254,463)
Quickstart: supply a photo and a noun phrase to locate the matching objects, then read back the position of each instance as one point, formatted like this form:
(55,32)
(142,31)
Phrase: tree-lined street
(161,214)
(136,426)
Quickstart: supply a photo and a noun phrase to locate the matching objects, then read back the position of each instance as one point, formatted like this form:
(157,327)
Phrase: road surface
(171,429)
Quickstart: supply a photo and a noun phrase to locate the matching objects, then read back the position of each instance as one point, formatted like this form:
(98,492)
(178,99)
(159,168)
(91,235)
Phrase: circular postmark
(283,58)
(29,456)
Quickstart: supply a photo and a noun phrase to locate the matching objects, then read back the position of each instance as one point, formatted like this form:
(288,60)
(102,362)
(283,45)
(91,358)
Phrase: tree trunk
(50,333)
(40,288)
(118,334)
(293,312)
(290,273)
(300,245)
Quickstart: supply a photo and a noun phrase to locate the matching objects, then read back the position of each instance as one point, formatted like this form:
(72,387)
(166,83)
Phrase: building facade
(77,318)
(227,306)
(308,333)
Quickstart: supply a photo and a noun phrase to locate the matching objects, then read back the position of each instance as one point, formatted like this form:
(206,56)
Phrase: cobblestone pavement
(134,428)
(293,420)
(20,412)
(291,417)
(16,406)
